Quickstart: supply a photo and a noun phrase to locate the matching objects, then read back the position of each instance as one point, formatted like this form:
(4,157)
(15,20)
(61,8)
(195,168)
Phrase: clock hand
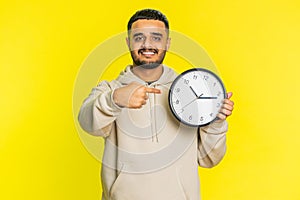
(194,91)
(207,97)
(190,102)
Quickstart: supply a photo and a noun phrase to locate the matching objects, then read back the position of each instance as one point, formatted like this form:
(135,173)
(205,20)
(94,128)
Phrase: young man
(148,153)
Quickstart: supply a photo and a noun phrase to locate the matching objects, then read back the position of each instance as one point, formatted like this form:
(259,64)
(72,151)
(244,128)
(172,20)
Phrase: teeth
(148,53)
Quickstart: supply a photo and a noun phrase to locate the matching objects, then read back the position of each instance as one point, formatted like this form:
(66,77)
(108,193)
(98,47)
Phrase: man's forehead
(148,23)
(148,26)
(152,31)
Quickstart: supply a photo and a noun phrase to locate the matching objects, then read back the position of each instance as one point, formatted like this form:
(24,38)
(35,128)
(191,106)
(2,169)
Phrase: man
(149,155)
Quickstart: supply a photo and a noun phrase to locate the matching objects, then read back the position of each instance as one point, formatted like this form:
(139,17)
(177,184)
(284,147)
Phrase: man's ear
(127,42)
(168,44)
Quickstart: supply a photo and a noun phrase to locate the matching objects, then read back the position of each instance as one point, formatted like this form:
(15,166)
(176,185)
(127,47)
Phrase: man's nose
(147,43)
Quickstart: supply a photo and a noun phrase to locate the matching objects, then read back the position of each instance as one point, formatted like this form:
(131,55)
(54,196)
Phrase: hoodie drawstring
(153,117)
(155,127)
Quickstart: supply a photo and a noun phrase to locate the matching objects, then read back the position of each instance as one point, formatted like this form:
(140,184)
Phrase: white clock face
(196,97)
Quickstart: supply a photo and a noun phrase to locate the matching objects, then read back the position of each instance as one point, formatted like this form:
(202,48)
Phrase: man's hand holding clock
(227,107)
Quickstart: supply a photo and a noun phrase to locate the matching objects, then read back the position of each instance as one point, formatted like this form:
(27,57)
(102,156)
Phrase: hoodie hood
(166,78)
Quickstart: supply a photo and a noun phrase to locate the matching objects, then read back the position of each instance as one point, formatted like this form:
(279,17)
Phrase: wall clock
(196,96)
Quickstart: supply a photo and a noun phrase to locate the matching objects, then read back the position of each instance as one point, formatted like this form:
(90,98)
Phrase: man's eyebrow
(137,34)
(152,33)
(157,34)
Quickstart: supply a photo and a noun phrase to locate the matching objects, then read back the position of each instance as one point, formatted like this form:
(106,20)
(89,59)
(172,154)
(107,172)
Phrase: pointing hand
(133,95)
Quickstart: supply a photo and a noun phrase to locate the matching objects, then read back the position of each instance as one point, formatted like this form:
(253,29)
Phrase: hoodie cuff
(217,127)
(106,104)
(114,105)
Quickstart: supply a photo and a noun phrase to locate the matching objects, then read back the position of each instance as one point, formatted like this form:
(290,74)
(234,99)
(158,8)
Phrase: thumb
(229,95)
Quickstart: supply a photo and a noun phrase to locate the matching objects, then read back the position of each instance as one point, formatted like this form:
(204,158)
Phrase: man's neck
(148,75)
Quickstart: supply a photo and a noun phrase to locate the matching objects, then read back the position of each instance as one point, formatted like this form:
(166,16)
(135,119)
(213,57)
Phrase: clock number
(214,84)
(218,105)
(201,118)
(195,77)
(190,117)
(219,93)
(177,90)
(205,77)
(211,114)
(186,81)
(177,101)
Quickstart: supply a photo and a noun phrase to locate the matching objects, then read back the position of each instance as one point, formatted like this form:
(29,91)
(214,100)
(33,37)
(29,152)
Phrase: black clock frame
(172,88)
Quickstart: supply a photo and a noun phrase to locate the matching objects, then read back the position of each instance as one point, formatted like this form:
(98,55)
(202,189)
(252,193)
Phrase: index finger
(153,90)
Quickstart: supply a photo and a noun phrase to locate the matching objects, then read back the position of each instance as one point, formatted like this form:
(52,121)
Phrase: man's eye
(138,39)
(157,39)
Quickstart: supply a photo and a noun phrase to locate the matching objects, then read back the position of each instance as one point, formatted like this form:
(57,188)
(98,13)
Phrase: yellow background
(255,45)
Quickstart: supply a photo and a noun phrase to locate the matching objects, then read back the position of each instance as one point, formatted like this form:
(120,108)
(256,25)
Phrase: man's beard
(147,64)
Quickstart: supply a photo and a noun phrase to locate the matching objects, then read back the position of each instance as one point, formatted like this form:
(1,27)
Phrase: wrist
(114,97)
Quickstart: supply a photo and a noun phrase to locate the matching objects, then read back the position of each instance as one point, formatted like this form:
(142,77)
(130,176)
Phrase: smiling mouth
(147,52)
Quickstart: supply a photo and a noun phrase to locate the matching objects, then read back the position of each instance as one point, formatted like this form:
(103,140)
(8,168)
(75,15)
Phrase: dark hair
(148,14)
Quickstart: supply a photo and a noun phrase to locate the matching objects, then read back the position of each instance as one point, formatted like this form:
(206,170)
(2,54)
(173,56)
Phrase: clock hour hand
(198,97)
(194,92)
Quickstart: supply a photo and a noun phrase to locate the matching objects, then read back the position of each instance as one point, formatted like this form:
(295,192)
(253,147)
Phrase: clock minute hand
(207,97)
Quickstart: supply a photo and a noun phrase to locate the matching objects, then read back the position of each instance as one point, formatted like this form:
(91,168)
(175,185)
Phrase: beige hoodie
(149,155)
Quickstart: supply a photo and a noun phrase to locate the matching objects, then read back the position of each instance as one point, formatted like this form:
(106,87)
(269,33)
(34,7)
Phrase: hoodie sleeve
(98,111)
(212,143)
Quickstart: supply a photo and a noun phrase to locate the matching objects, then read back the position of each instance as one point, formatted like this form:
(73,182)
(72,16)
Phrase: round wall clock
(196,97)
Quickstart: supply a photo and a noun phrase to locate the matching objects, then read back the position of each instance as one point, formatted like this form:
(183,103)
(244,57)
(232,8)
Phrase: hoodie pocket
(180,185)
(145,187)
